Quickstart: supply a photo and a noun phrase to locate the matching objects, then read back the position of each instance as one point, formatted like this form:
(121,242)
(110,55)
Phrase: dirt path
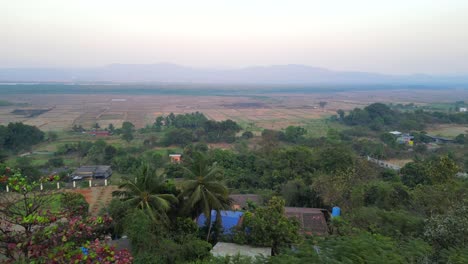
(97,197)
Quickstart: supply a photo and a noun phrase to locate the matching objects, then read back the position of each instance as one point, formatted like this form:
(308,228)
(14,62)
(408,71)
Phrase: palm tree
(147,192)
(204,192)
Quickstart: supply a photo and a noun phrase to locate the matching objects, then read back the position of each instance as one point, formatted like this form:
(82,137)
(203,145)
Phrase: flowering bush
(90,252)
(33,235)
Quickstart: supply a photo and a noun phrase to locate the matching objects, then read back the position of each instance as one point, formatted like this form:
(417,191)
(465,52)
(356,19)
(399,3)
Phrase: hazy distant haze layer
(171,73)
(392,37)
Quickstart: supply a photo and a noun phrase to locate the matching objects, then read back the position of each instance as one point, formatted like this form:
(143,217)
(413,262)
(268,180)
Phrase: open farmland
(68,110)
(254,110)
(449,131)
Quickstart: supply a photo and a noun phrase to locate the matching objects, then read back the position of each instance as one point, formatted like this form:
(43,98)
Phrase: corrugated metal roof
(312,220)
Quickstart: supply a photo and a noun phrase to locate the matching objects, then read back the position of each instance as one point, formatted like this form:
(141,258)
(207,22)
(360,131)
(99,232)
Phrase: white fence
(70,185)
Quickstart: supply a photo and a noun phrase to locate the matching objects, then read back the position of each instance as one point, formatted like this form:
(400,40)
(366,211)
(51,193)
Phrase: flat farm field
(449,131)
(255,111)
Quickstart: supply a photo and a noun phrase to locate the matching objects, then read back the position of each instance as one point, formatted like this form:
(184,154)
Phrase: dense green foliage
(417,214)
(268,226)
(127,131)
(159,225)
(18,136)
(186,128)
(148,192)
(32,231)
(203,191)
(379,116)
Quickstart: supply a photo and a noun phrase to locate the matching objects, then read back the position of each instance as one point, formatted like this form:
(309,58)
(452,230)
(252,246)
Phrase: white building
(222,249)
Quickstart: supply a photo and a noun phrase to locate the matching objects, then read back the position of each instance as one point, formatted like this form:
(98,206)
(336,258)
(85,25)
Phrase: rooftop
(92,168)
(312,220)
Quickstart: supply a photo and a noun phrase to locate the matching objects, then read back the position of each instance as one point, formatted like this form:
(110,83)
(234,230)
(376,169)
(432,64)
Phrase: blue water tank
(336,211)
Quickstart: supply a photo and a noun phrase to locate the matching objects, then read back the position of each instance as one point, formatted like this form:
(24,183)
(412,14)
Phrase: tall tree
(340,113)
(111,128)
(269,226)
(158,123)
(19,136)
(322,104)
(127,131)
(149,192)
(203,191)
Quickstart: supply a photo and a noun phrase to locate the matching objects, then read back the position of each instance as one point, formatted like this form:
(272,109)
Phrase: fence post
(7,189)
(90,184)
(42,186)
(105,182)
(74,184)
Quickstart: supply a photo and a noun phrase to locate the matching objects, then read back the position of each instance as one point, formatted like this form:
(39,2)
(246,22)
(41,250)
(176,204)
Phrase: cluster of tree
(186,128)
(383,145)
(122,159)
(19,137)
(379,116)
(402,209)
(78,128)
(416,215)
(292,134)
(395,214)
(189,121)
(127,131)
(268,226)
(272,168)
(157,217)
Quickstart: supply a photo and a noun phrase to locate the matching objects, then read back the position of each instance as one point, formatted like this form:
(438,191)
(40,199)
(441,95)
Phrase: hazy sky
(397,36)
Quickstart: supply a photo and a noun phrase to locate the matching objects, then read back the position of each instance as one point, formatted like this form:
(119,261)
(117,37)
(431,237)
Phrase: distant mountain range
(171,73)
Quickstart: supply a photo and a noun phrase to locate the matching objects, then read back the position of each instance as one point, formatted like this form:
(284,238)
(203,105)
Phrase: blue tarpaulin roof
(229,219)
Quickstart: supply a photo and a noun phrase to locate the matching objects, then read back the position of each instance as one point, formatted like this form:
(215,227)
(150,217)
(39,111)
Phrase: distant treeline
(379,116)
(30,112)
(18,136)
(5,103)
(196,89)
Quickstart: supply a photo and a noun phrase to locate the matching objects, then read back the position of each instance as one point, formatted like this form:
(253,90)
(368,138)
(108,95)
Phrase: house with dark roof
(94,172)
(312,220)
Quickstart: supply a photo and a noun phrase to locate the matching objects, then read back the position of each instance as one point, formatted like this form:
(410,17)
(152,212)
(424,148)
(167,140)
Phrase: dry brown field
(450,131)
(274,111)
